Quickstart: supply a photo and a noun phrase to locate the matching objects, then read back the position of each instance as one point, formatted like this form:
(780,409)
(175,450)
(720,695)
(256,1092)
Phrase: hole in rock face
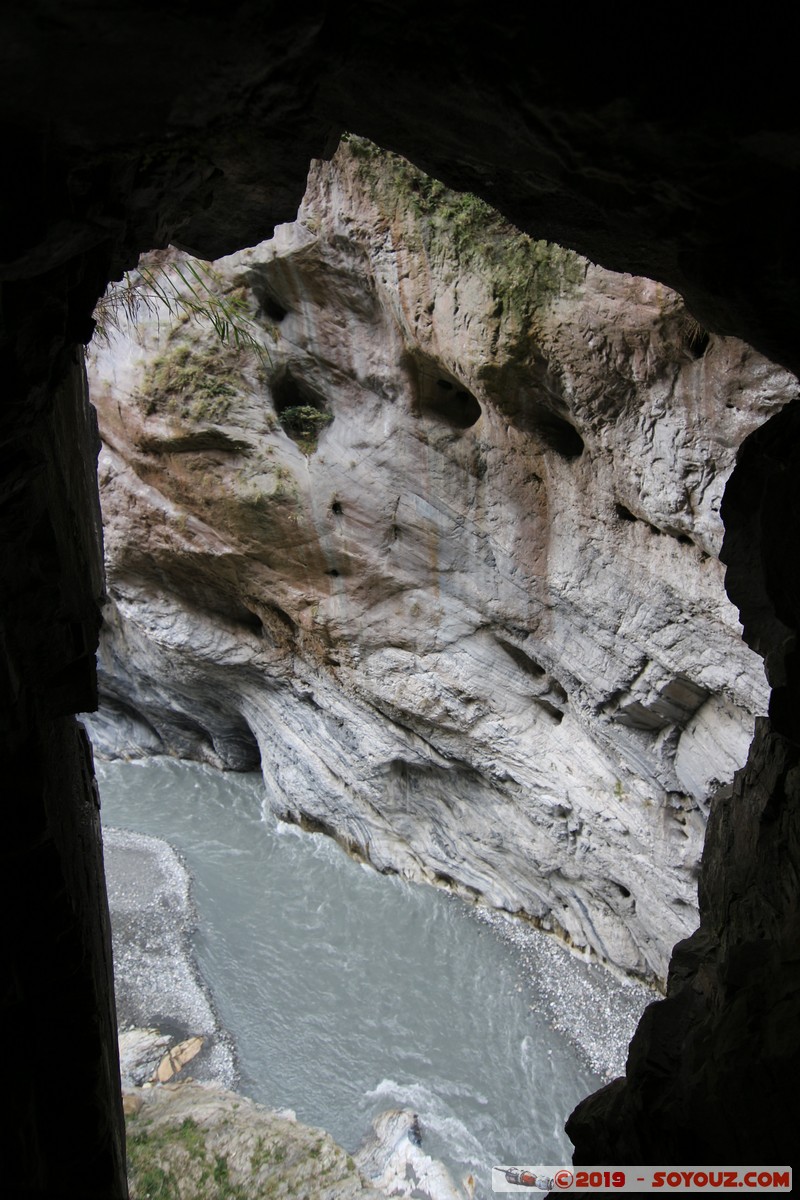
(676,702)
(272,309)
(535,403)
(440,396)
(457,407)
(521,658)
(336,508)
(301,410)
(237,746)
(637,716)
(289,392)
(252,622)
(273,610)
(550,709)
(231,739)
(698,342)
(625,514)
(560,435)
(265,287)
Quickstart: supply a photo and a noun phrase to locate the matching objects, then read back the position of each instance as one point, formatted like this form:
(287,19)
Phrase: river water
(347,993)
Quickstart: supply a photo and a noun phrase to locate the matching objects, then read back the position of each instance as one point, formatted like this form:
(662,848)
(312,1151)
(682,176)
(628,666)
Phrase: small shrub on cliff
(304,423)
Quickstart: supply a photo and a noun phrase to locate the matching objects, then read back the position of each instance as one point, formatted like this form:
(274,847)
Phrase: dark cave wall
(58,1000)
(134,125)
(64,1138)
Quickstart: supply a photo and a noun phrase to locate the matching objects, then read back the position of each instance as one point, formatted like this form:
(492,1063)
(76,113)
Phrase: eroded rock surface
(470,615)
(393,1157)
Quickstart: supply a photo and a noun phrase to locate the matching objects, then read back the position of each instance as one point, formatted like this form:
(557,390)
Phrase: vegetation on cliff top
(526,274)
(232,1151)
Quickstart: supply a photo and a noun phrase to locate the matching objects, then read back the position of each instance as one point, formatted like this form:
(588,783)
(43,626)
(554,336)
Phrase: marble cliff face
(444,558)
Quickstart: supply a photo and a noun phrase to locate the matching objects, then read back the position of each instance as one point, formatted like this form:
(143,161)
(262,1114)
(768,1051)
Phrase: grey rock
(140,1052)
(477,630)
(393,1159)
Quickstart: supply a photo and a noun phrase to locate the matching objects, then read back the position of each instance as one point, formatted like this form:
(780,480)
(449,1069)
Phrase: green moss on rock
(526,274)
(174,1163)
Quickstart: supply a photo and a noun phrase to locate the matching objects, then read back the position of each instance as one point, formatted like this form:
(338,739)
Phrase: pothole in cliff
(548,695)
(624,514)
(264,281)
(534,403)
(440,396)
(696,339)
(302,411)
(557,433)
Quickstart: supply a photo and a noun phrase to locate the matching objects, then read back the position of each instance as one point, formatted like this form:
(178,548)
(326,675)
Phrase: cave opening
(609,164)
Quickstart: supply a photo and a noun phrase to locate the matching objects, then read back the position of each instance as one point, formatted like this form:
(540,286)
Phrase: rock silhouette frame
(692,185)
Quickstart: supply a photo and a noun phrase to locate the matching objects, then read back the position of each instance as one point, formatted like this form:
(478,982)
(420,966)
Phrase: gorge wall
(445,558)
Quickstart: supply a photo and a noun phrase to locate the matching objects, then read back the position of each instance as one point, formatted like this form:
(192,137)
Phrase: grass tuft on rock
(195,384)
(230,1149)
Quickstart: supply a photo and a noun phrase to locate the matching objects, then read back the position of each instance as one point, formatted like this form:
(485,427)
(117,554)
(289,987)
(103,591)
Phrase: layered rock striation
(444,558)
